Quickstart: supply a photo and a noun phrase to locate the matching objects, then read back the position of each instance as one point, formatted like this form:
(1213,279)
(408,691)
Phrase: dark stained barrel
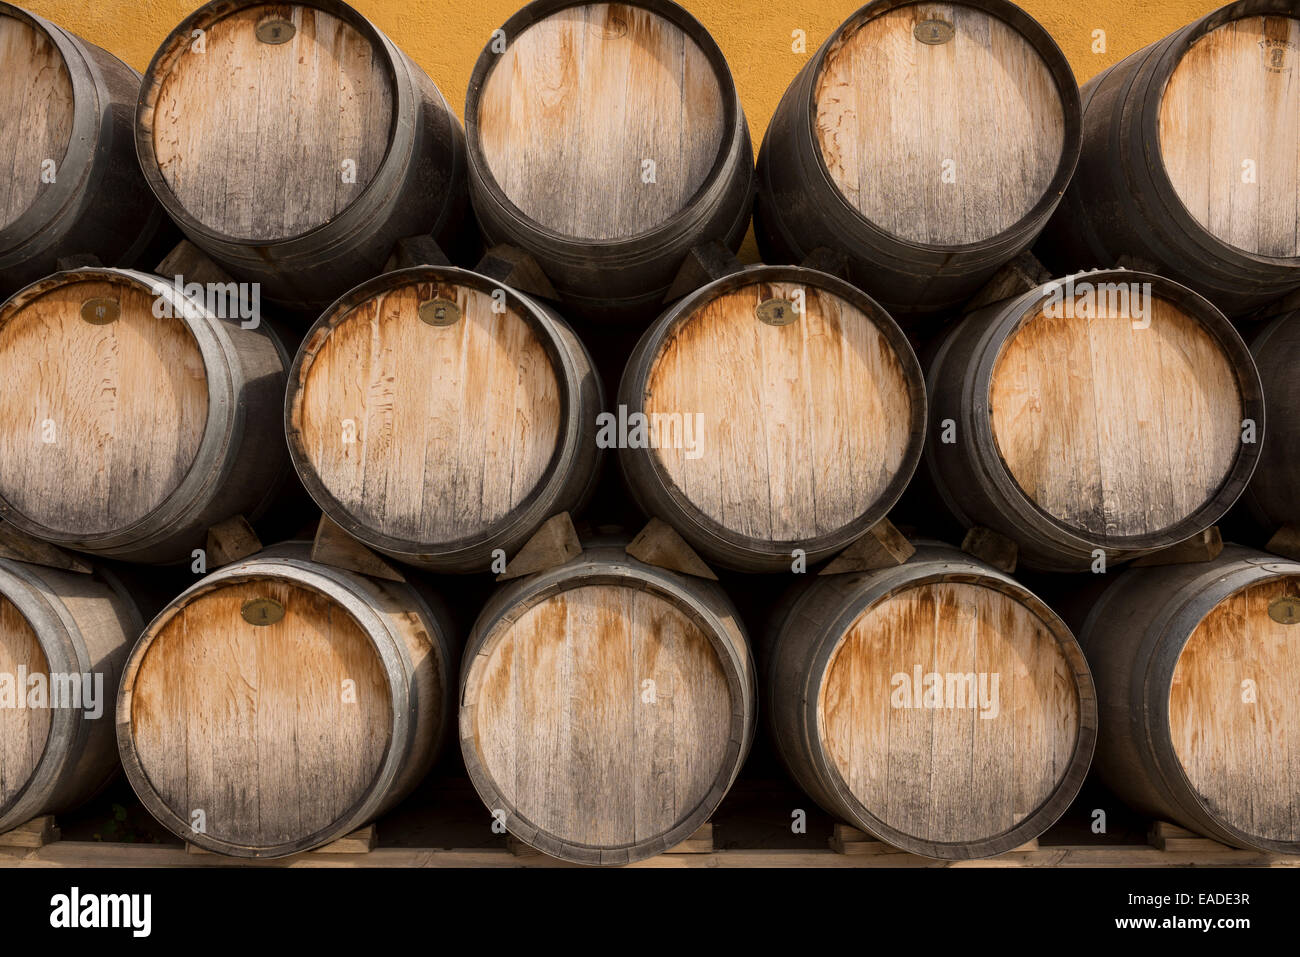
(295,144)
(280,704)
(1191,159)
(607,140)
(1273,496)
(937,705)
(63,639)
(649,675)
(72,185)
(1196,673)
(776,409)
(928,142)
(1111,411)
(134,416)
(438,416)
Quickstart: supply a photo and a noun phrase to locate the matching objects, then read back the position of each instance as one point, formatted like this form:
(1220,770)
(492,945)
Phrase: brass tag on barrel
(439,312)
(275,31)
(776,312)
(934,32)
(100,311)
(262,611)
(1285,610)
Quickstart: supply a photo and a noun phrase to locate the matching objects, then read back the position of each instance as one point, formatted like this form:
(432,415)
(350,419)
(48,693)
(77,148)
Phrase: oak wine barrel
(1196,672)
(606,706)
(280,704)
(438,416)
(63,638)
(783,409)
(929,142)
(134,418)
(937,705)
(295,144)
(1191,160)
(72,185)
(607,140)
(1110,411)
(1273,496)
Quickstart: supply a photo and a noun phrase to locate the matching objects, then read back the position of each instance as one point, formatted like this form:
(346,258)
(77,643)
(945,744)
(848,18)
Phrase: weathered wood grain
(949,774)
(36,104)
(422,432)
(56,740)
(580,100)
(802,427)
(1116,430)
(98,423)
(1239,743)
(563,728)
(23,731)
(891,111)
(1231,102)
(252,137)
(291,702)
(249,723)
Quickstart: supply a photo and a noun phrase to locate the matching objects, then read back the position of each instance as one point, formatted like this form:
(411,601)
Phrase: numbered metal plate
(439,312)
(776,312)
(275,31)
(1285,610)
(934,32)
(262,611)
(100,311)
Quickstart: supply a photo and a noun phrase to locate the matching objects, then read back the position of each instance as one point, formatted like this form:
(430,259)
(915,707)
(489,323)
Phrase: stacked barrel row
(444,410)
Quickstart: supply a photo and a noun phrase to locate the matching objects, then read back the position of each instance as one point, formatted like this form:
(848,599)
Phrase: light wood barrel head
(275,732)
(266,140)
(601,121)
(1230,134)
(1113,430)
(36,112)
(779,432)
(23,730)
(427,433)
(99,421)
(947,143)
(977,756)
(1234,717)
(601,716)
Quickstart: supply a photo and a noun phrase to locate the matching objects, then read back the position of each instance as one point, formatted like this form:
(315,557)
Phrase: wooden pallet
(1171,847)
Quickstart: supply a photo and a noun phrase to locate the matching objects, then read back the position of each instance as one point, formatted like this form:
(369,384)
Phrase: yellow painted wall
(446,36)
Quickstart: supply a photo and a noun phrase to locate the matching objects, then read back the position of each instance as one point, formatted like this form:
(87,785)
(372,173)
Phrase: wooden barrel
(72,185)
(295,144)
(1271,497)
(1191,159)
(782,408)
(1113,411)
(606,706)
(280,704)
(134,418)
(937,705)
(63,637)
(607,140)
(438,416)
(929,142)
(1196,674)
